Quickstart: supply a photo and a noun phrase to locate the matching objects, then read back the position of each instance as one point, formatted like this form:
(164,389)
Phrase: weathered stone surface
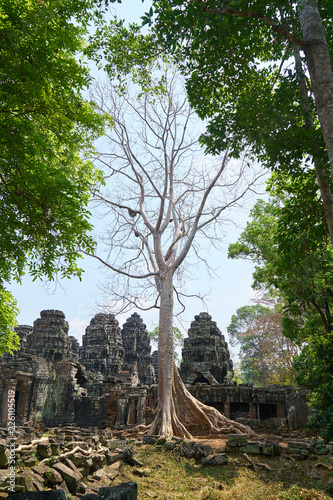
(149,440)
(102,351)
(111,472)
(124,491)
(214,460)
(137,359)
(268,449)
(114,457)
(71,465)
(128,456)
(41,495)
(84,462)
(52,476)
(186,450)
(44,450)
(298,444)
(70,477)
(49,336)
(250,448)
(90,496)
(201,451)
(237,439)
(4,458)
(206,356)
(170,445)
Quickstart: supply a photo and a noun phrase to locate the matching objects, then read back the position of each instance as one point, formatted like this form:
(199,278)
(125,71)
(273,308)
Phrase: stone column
(141,410)
(10,386)
(253,413)
(121,407)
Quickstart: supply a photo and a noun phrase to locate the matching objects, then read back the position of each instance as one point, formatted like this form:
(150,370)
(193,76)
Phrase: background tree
(293,256)
(255,56)
(46,129)
(9,340)
(178,340)
(163,199)
(266,354)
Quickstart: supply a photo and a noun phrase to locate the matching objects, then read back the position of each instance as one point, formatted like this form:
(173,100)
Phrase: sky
(81,300)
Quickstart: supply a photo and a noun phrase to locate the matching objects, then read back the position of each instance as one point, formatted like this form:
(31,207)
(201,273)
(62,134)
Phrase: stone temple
(111,380)
(206,357)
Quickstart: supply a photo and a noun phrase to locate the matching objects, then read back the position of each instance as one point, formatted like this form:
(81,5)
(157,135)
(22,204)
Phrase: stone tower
(138,359)
(206,356)
(102,350)
(49,337)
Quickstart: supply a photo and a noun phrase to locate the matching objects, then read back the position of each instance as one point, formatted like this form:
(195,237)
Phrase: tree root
(69,453)
(34,442)
(256,465)
(186,413)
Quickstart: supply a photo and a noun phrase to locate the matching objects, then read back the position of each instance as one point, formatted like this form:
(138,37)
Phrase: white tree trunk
(320,68)
(166,354)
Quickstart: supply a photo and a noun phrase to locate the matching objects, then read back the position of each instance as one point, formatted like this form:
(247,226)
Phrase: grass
(168,476)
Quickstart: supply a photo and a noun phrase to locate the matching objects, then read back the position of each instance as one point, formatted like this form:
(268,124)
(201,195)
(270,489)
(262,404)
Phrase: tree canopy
(266,354)
(291,250)
(46,133)
(247,66)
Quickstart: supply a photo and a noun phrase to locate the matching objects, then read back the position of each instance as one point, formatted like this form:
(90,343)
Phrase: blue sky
(81,300)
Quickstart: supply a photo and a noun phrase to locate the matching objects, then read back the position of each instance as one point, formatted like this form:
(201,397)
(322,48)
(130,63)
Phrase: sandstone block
(41,495)
(71,478)
(124,491)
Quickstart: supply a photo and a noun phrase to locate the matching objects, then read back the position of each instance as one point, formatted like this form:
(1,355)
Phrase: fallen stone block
(237,438)
(214,460)
(70,477)
(251,448)
(149,440)
(128,456)
(52,476)
(186,450)
(40,495)
(44,450)
(124,491)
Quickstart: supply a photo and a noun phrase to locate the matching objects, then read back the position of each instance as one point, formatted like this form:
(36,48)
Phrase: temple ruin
(111,380)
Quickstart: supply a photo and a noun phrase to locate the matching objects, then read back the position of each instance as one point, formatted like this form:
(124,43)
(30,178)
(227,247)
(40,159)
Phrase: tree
(46,132)
(293,256)
(266,354)
(9,340)
(163,199)
(314,367)
(237,56)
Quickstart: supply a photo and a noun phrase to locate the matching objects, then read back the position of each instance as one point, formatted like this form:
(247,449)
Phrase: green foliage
(266,354)
(46,132)
(288,242)
(238,79)
(9,340)
(315,370)
(178,340)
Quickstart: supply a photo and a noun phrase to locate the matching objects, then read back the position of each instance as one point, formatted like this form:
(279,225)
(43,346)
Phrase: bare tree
(163,200)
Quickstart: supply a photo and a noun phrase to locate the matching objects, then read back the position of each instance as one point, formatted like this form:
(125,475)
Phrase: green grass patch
(167,475)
